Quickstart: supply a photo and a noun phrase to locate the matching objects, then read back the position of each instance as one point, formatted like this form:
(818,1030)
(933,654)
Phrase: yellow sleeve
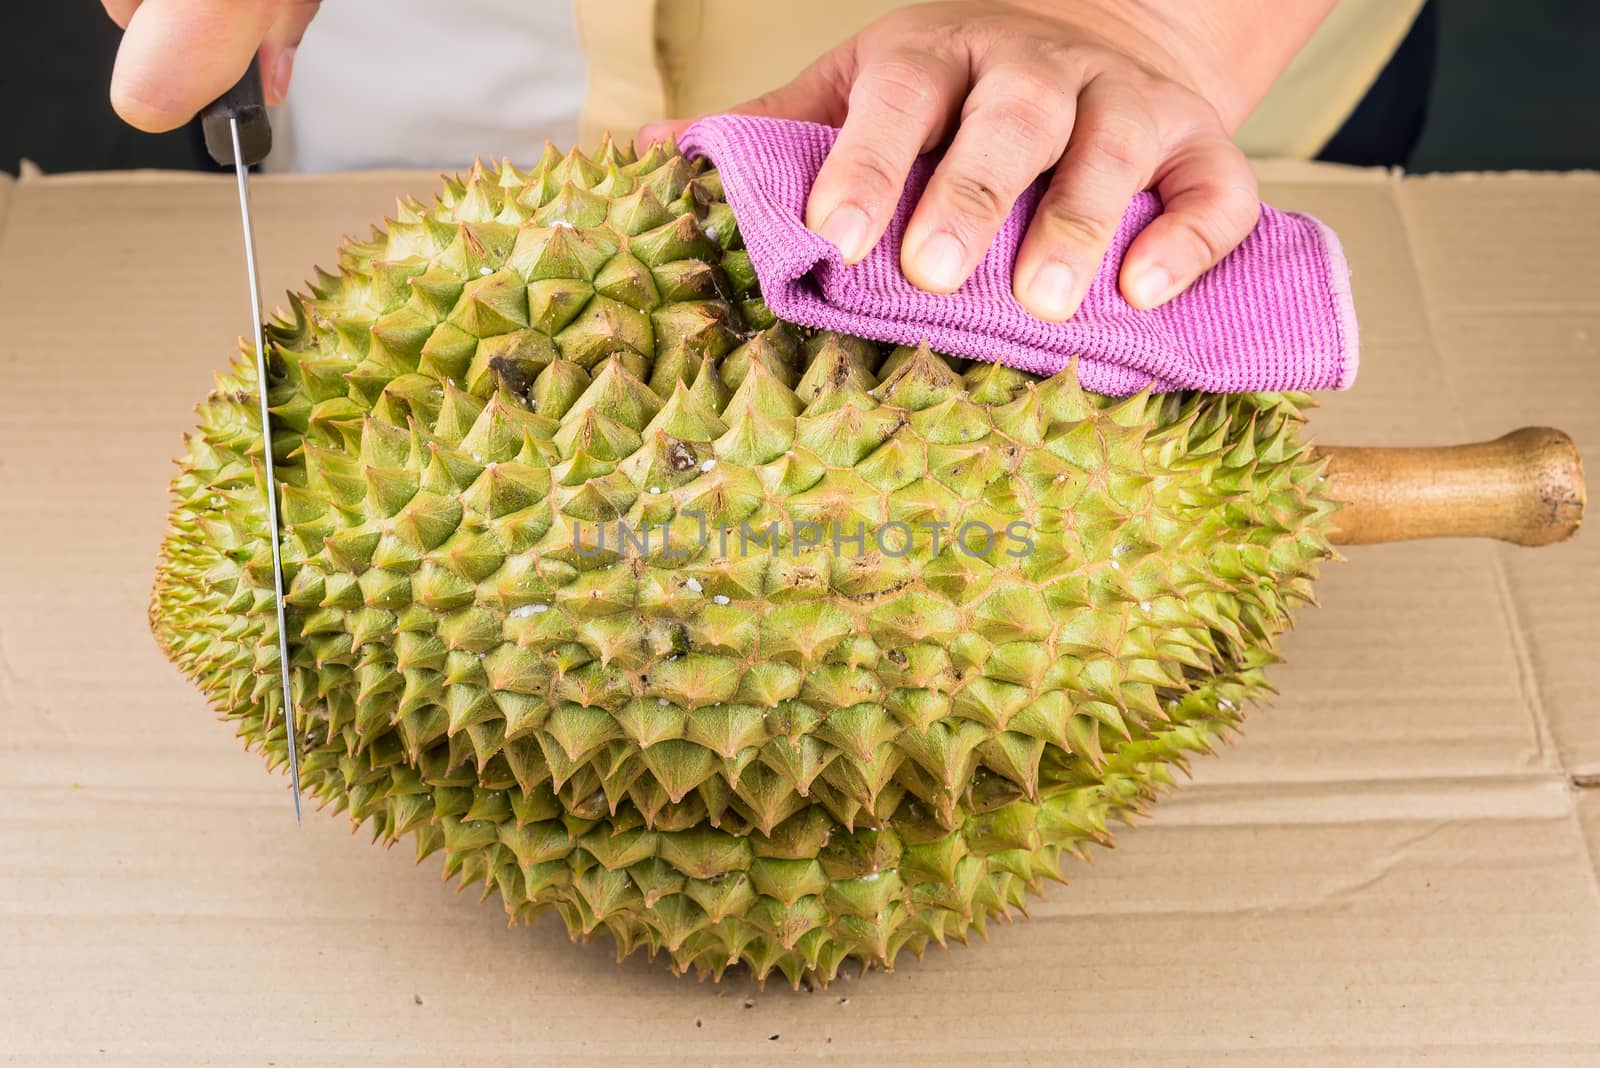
(1325,82)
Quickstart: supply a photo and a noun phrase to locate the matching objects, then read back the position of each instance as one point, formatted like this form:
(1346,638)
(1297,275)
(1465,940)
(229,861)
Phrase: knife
(239,134)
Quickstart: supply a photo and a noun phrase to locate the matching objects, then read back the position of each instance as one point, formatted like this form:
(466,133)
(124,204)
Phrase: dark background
(1515,85)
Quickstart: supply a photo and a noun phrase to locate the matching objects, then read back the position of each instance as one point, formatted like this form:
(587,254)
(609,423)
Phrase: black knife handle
(245,103)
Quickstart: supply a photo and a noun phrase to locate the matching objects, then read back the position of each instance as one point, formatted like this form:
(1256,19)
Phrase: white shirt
(431,83)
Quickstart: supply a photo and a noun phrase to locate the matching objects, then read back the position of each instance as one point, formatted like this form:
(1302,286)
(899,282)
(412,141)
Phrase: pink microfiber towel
(1276,314)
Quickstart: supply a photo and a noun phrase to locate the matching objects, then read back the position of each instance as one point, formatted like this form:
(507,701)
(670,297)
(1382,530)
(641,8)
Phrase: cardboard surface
(1398,858)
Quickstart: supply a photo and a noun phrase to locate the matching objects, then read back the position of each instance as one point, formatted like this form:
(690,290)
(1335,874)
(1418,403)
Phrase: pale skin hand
(179,55)
(1116,95)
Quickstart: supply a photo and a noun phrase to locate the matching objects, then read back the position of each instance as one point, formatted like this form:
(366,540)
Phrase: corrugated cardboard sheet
(1397,859)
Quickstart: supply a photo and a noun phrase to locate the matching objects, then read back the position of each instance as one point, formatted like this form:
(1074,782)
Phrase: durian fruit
(745,644)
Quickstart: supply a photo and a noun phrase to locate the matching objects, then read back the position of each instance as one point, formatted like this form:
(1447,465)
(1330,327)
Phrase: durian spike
(1525,488)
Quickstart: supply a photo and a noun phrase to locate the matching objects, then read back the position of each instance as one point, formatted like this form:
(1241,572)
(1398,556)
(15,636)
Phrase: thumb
(179,55)
(820,93)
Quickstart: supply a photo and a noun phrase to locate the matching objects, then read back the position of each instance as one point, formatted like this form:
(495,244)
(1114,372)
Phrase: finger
(1109,158)
(279,46)
(1013,128)
(899,106)
(179,55)
(120,10)
(1210,203)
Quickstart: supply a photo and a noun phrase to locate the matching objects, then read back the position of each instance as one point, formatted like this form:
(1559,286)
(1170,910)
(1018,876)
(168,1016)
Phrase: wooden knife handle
(1525,488)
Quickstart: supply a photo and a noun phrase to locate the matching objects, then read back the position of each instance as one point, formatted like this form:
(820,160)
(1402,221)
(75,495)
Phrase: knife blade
(239,133)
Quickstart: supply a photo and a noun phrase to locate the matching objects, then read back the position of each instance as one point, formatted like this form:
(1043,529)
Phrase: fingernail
(1151,286)
(939,262)
(846,228)
(1049,291)
(281,71)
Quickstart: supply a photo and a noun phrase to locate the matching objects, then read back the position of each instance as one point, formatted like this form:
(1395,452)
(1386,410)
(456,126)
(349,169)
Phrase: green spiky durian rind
(767,755)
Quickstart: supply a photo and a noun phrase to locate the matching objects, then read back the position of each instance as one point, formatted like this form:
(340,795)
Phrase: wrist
(1227,52)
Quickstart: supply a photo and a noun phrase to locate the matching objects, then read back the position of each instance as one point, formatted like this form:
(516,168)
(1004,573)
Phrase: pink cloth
(1276,314)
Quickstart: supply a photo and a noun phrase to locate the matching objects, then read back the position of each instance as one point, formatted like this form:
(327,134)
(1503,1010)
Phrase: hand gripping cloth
(1275,314)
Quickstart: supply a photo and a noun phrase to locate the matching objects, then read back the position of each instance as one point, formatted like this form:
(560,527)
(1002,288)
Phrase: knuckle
(1027,116)
(975,197)
(1074,59)
(871,174)
(902,86)
(1219,231)
(1036,83)
(1229,202)
(1242,210)
(1118,143)
(944,37)
(1022,111)
(1209,236)
(1068,227)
